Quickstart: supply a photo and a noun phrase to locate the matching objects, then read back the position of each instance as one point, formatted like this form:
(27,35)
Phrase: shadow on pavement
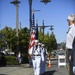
(49,72)
(2,74)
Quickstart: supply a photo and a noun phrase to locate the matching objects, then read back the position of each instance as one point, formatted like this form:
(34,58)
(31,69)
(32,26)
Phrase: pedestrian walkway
(56,71)
(16,71)
(22,70)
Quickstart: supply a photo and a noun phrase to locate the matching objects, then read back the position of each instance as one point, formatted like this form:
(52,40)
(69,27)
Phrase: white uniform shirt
(44,51)
(35,52)
(70,37)
(19,55)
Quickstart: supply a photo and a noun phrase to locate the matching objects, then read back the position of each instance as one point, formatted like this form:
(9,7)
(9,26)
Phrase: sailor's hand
(42,60)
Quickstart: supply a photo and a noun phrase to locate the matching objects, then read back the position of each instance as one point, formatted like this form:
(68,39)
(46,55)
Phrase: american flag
(32,38)
(32,32)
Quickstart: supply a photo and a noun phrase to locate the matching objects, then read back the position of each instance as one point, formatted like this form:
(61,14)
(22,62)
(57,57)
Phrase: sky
(53,13)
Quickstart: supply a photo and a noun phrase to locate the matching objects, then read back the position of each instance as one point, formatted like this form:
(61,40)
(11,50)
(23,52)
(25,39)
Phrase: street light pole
(44,26)
(17,19)
(30,13)
(30,10)
(16,2)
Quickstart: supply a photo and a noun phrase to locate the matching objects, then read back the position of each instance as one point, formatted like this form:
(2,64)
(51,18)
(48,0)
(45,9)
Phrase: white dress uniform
(69,45)
(70,37)
(36,59)
(43,64)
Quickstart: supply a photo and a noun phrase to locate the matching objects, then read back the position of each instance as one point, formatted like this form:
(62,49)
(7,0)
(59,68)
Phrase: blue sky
(54,13)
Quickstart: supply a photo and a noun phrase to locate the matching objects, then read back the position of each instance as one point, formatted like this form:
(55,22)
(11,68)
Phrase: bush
(2,60)
(11,60)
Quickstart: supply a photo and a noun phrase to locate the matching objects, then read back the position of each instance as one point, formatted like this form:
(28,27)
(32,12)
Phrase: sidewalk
(22,70)
(56,71)
(18,70)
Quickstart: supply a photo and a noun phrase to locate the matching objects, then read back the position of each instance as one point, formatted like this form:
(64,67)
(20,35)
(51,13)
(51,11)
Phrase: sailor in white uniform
(43,64)
(36,55)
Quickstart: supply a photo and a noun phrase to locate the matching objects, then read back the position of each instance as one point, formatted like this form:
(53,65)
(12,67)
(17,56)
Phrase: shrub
(11,60)
(2,60)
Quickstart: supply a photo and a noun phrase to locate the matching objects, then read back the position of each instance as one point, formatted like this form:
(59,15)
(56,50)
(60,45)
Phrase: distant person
(19,57)
(69,42)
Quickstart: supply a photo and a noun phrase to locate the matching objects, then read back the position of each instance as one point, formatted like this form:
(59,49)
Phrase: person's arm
(30,52)
(42,55)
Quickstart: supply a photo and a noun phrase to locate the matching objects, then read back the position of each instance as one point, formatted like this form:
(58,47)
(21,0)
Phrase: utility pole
(44,26)
(30,13)
(30,10)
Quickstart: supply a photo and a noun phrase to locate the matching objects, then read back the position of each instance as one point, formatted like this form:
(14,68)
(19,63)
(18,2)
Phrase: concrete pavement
(23,70)
(56,71)
(16,71)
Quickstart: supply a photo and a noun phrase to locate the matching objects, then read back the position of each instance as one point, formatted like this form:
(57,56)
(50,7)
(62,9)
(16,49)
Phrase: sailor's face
(36,43)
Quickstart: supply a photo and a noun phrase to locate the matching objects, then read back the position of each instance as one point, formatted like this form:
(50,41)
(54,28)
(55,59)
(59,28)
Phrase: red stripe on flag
(32,38)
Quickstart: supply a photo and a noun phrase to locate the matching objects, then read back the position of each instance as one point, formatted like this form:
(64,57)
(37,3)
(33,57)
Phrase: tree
(53,42)
(8,37)
(24,35)
(49,41)
(24,40)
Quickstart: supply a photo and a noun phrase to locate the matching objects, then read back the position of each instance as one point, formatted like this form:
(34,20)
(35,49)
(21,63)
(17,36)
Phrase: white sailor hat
(36,41)
(39,43)
(43,45)
(71,17)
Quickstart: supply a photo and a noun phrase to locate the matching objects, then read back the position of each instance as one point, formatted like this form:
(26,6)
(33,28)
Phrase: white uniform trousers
(36,65)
